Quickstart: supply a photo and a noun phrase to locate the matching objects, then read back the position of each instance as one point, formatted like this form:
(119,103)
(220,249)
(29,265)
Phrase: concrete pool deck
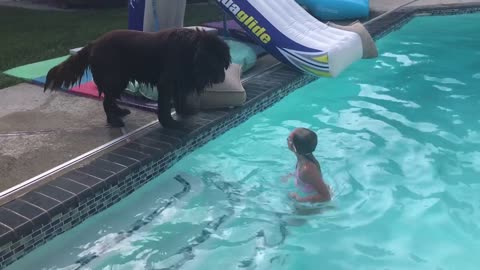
(39,131)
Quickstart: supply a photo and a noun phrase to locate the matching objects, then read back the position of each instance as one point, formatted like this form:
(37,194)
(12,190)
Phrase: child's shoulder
(309,169)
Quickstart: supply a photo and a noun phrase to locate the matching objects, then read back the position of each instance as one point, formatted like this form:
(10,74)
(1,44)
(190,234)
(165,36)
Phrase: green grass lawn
(30,35)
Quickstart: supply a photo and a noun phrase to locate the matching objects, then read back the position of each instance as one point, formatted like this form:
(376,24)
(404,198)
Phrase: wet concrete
(39,131)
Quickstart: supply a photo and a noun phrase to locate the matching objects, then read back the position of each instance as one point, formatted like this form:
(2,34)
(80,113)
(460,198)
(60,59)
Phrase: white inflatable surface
(294,36)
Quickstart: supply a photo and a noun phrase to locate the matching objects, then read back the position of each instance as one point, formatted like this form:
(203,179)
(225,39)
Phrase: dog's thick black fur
(177,62)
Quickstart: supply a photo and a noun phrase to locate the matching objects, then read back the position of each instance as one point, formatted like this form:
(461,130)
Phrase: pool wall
(38,216)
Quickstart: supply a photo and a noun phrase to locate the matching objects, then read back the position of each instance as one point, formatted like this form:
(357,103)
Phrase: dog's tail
(68,72)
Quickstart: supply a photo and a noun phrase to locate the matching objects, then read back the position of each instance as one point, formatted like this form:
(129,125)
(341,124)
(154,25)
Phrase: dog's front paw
(115,122)
(172,124)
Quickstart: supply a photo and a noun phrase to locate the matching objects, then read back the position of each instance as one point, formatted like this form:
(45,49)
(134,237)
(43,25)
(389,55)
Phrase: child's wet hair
(304,140)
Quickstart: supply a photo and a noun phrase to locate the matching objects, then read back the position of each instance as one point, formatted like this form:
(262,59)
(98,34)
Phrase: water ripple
(404,60)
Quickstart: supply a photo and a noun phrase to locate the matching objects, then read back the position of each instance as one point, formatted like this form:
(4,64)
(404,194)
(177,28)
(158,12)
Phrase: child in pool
(308,174)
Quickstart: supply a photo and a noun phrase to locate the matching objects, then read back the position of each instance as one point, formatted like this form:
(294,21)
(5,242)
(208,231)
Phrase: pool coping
(396,18)
(41,214)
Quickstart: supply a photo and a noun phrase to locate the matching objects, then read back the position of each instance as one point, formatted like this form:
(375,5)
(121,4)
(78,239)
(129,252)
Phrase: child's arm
(286,177)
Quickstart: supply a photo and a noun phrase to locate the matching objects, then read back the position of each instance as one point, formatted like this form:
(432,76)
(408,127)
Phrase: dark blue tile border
(53,208)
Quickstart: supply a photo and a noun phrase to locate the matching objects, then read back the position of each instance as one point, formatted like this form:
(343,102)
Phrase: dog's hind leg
(121,112)
(113,119)
(112,90)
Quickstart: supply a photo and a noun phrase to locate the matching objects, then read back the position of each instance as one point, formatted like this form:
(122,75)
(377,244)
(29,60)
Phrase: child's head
(302,141)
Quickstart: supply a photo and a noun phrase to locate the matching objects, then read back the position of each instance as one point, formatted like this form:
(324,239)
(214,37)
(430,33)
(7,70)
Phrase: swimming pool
(399,142)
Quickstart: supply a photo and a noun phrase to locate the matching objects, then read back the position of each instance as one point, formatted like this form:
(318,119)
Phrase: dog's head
(212,58)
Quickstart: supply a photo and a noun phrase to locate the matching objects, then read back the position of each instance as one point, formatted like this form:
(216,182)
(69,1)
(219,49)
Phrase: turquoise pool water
(399,142)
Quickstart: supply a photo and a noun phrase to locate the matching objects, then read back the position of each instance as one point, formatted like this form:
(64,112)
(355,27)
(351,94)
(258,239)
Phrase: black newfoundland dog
(178,62)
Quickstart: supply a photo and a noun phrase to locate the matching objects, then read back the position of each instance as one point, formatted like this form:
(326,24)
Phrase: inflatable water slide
(293,36)
(282,27)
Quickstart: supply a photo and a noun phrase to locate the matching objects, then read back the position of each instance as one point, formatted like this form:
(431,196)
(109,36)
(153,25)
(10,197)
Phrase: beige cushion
(369,48)
(229,93)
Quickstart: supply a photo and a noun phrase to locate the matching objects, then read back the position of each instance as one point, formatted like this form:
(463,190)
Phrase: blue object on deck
(136,11)
(337,9)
